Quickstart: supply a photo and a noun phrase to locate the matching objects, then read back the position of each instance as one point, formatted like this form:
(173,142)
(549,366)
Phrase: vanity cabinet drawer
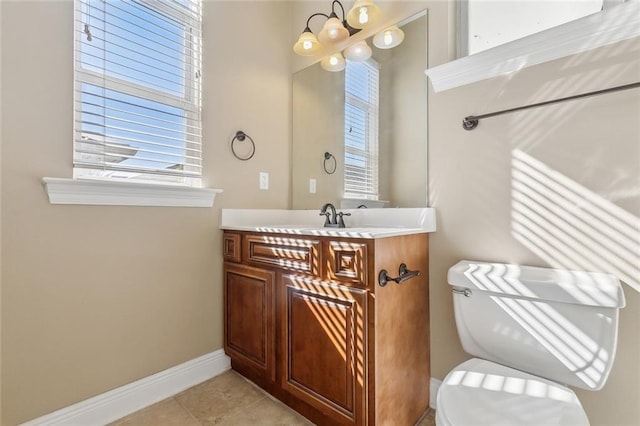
(231,247)
(347,262)
(288,253)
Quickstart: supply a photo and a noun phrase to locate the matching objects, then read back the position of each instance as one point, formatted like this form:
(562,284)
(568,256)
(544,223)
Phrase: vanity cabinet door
(249,310)
(323,362)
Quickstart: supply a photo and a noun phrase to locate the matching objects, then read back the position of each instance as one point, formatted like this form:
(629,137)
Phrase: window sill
(105,193)
(612,25)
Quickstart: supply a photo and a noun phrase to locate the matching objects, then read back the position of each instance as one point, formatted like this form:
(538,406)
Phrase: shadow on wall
(569,226)
(563,222)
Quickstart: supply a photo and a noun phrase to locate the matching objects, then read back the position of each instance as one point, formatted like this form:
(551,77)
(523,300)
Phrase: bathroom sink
(286,228)
(346,232)
(363,223)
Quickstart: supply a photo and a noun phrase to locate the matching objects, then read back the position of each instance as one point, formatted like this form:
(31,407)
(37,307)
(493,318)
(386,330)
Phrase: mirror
(319,127)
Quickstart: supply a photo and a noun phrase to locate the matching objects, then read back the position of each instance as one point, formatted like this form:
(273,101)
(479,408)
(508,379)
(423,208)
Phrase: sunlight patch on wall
(569,226)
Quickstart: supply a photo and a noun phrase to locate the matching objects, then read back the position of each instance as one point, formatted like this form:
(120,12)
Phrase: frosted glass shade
(363,13)
(307,44)
(333,31)
(358,52)
(388,38)
(333,63)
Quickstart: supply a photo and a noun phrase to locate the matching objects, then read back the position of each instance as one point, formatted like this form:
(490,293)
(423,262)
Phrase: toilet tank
(558,324)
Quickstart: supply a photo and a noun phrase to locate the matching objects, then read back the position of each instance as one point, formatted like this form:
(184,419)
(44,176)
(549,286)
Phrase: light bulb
(388,38)
(333,63)
(358,52)
(307,44)
(363,13)
(333,31)
(363,16)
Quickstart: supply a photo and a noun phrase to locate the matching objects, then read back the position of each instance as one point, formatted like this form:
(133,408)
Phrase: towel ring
(241,136)
(328,156)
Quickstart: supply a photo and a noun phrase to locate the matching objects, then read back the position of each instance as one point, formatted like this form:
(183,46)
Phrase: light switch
(264,180)
(312,186)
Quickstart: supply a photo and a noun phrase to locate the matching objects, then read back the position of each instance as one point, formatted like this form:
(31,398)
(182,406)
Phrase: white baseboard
(119,402)
(434,385)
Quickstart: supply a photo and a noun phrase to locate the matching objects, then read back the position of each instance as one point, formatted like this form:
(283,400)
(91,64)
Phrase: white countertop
(363,223)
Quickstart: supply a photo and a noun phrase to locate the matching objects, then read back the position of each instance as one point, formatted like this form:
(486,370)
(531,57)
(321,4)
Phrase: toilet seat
(480,392)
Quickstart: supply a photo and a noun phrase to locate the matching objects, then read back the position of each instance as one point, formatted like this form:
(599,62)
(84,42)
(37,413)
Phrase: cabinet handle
(404,274)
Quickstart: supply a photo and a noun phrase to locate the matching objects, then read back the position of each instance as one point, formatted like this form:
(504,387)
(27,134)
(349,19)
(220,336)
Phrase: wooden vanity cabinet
(306,319)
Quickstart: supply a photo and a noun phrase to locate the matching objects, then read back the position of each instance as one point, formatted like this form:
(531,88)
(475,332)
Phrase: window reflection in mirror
(361,111)
(319,126)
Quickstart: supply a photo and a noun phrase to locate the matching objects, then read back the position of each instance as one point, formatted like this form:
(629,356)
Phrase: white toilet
(534,331)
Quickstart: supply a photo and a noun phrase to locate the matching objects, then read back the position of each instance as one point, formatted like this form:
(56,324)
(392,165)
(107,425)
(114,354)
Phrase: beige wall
(97,297)
(553,186)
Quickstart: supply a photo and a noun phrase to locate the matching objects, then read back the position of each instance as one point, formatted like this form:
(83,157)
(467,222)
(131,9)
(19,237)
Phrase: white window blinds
(361,130)
(137,90)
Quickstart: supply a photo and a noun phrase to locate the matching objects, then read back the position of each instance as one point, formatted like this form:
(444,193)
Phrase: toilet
(532,332)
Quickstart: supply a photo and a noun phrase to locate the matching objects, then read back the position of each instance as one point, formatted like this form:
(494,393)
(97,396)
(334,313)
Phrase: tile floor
(227,399)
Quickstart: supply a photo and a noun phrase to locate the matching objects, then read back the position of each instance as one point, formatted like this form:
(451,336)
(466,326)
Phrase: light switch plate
(264,180)
(312,186)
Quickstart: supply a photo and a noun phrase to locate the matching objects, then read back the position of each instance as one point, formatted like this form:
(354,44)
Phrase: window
(486,24)
(361,130)
(618,21)
(137,91)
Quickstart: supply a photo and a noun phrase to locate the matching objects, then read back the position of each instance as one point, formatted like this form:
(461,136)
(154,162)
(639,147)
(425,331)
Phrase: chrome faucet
(333,219)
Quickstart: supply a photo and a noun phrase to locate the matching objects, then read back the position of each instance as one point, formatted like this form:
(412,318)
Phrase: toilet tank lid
(558,285)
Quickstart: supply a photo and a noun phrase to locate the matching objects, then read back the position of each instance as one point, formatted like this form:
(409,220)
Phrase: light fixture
(307,44)
(334,30)
(333,63)
(388,38)
(363,13)
(358,52)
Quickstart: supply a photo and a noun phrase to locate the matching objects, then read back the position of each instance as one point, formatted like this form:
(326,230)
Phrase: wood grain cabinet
(306,319)
(249,326)
(323,347)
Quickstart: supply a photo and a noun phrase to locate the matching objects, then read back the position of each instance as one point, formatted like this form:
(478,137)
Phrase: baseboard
(119,402)
(434,385)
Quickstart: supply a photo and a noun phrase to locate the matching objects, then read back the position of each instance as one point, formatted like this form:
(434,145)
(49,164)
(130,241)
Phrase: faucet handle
(341,220)
(326,215)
